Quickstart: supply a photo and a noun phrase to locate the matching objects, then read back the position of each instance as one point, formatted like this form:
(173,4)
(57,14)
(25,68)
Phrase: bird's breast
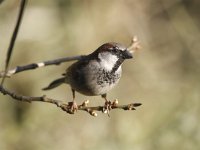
(92,79)
(99,80)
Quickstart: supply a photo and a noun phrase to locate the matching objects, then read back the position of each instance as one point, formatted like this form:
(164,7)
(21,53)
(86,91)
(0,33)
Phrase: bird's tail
(55,83)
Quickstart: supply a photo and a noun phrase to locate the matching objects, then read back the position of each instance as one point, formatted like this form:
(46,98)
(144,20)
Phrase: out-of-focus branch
(1,1)
(67,106)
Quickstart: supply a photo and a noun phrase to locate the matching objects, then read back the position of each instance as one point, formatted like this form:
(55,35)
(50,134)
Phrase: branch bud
(115,102)
(92,113)
(85,103)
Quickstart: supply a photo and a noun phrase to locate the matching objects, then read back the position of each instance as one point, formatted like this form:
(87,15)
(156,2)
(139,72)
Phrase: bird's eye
(115,48)
(112,49)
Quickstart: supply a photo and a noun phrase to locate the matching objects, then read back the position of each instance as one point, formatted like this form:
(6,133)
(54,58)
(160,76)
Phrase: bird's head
(111,55)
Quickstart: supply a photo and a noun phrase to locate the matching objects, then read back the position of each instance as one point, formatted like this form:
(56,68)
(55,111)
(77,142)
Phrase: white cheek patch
(107,60)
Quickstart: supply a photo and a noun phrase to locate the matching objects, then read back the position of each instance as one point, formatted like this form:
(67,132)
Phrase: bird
(96,74)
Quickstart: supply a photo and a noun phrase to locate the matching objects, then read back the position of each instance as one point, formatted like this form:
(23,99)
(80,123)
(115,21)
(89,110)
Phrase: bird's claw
(107,107)
(73,107)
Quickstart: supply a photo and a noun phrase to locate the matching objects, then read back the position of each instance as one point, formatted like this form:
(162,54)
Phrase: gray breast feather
(91,79)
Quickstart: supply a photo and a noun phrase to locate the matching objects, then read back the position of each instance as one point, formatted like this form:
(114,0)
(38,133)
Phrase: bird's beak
(127,55)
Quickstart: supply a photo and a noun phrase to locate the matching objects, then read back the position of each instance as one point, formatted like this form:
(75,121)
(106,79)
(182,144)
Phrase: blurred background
(164,76)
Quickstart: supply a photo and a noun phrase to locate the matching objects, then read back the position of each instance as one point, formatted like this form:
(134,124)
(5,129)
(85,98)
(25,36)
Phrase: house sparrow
(95,74)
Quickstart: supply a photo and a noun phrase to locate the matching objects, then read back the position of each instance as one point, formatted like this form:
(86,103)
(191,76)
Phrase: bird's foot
(73,107)
(107,107)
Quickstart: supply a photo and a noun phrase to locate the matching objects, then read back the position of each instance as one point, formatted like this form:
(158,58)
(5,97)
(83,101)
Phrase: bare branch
(14,36)
(18,69)
(66,106)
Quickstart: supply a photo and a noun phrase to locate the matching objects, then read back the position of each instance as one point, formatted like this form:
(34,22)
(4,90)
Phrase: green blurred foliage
(164,75)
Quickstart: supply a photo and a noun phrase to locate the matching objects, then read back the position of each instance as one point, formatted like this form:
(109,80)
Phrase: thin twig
(14,36)
(135,45)
(31,66)
(66,106)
